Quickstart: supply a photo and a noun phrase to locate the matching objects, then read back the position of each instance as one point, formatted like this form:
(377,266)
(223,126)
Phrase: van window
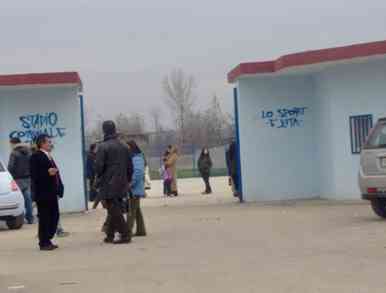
(377,138)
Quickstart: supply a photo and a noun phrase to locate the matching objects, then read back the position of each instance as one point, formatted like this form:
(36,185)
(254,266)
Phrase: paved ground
(208,244)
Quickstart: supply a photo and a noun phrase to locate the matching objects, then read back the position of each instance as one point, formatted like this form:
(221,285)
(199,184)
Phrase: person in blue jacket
(137,190)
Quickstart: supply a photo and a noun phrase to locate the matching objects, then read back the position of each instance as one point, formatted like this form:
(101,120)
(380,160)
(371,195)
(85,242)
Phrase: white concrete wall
(64,102)
(277,163)
(343,91)
(314,159)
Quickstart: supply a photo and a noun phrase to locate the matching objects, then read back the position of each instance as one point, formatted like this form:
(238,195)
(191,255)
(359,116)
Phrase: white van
(372,173)
(11,200)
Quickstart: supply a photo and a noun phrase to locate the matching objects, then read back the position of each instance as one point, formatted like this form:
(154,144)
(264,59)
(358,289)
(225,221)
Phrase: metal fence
(187,160)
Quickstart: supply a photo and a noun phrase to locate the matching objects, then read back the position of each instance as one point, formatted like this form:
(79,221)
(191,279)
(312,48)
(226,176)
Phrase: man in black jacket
(18,166)
(112,171)
(48,187)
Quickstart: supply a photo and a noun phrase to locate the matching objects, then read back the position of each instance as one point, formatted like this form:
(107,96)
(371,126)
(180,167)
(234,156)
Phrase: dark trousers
(205,177)
(135,215)
(167,187)
(235,179)
(115,220)
(25,188)
(48,213)
(92,192)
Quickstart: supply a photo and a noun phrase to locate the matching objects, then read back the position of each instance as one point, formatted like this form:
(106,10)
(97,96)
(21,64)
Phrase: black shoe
(108,240)
(30,221)
(124,240)
(48,247)
(139,235)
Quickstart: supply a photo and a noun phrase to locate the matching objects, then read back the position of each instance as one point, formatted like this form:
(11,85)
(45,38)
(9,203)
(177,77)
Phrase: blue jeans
(25,188)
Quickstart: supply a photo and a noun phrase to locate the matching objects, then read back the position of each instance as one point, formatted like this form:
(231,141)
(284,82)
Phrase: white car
(11,200)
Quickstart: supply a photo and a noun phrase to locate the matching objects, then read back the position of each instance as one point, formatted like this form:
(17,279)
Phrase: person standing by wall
(90,172)
(19,167)
(137,190)
(112,171)
(171,165)
(204,166)
(48,187)
(233,171)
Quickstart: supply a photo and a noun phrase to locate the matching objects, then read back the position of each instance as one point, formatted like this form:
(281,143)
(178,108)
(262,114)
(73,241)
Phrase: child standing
(167,179)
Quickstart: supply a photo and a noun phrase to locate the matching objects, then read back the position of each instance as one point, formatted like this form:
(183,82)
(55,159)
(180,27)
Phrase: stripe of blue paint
(238,149)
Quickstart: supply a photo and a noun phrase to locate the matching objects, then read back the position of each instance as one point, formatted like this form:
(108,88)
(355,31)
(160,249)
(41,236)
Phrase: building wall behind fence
(60,111)
(277,157)
(343,91)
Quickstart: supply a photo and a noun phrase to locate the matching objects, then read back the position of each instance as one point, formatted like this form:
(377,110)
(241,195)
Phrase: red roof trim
(40,79)
(307,58)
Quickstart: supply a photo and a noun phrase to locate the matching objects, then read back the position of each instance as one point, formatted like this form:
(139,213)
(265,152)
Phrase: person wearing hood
(112,171)
(137,190)
(19,168)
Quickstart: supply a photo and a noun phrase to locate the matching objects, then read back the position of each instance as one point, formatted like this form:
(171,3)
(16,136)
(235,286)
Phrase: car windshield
(377,138)
(2,169)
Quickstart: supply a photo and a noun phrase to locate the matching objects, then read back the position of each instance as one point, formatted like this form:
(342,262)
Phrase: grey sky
(122,49)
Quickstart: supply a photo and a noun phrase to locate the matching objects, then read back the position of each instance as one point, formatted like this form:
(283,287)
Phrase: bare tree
(95,134)
(211,127)
(130,124)
(179,89)
(216,121)
(155,116)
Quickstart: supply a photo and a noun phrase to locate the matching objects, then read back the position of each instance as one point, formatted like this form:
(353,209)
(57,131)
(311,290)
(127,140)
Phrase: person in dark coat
(90,172)
(231,160)
(19,167)
(112,171)
(48,188)
(204,166)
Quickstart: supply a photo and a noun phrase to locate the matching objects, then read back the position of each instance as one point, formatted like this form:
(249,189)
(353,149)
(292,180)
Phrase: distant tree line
(208,127)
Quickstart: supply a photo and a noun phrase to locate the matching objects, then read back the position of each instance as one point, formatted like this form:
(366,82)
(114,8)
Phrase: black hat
(109,128)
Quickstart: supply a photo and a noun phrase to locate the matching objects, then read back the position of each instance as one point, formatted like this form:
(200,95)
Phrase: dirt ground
(208,244)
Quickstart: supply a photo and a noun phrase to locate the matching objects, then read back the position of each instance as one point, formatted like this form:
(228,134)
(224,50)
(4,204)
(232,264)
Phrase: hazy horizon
(122,49)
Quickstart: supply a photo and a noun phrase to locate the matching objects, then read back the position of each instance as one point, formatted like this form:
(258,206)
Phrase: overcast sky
(122,49)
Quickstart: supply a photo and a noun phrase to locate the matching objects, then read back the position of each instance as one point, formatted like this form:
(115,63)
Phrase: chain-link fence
(187,160)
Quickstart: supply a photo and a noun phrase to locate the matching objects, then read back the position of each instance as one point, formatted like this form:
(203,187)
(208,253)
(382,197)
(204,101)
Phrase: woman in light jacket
(137,192)
(171,165)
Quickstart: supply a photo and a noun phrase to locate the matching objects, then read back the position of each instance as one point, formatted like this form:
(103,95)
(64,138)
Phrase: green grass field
(190,173)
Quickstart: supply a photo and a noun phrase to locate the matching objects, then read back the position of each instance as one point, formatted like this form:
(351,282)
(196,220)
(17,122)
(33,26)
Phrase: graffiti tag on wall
(31,125)
(284,117)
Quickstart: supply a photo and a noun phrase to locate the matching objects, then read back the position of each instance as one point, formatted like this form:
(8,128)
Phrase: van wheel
(16,222)
(379,207)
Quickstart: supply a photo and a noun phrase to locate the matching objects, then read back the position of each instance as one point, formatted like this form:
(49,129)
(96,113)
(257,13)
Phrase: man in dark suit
(47,186)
